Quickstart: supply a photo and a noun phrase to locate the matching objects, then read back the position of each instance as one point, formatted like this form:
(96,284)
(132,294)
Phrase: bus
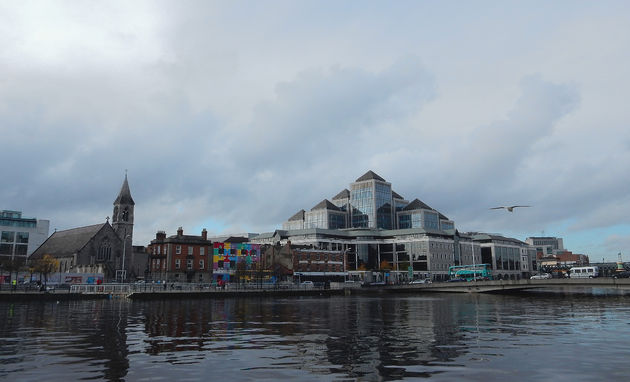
(583,272)
(470,272)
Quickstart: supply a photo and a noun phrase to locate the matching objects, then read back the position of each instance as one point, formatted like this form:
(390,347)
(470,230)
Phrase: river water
(443,337)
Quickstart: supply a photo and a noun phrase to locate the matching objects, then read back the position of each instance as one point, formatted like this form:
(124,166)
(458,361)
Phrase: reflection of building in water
(84,340)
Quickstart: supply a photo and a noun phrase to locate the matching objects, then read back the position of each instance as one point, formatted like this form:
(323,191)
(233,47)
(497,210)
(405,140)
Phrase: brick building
(180,258)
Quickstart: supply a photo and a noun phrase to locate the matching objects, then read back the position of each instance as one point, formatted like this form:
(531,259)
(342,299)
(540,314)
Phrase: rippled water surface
(442,337)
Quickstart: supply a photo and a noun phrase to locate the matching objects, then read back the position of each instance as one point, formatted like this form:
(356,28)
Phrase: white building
(20,236)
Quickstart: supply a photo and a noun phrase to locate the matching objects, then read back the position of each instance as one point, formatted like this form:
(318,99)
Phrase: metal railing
(127,289)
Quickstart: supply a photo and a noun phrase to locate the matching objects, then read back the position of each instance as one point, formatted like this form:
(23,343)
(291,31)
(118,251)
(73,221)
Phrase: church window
(104,251)
(125,214)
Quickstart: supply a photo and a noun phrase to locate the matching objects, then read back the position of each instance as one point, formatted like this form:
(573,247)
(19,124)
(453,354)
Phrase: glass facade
(371,205)
(507,258)
(447,225)
(336,221)
(431,220)
(362,203)
(383,199)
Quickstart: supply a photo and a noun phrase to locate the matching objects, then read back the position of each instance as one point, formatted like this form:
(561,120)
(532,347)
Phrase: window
(178,263)
(178,250)
(104,251)
(20,250)
(189,264)
(202,251)
(6,249)
(8,237)
(190,250)
(201,264)
(22,238)
(158,249)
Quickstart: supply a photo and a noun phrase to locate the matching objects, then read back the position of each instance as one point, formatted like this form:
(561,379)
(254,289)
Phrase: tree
(385,266)
(46,265)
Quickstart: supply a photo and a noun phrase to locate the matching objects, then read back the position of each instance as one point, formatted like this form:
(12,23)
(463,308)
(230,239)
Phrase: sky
(234,115)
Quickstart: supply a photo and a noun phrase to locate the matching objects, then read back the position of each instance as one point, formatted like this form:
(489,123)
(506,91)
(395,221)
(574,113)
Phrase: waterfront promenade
(162,291)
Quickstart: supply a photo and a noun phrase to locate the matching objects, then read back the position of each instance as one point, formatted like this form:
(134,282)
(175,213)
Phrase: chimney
(204,234)
(160,235)
(180,231)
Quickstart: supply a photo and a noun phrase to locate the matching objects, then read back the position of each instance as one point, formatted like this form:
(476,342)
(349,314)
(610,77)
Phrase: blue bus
(470,272)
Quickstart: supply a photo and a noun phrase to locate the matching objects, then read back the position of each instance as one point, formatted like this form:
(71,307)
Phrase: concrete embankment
(237,293)
(163,295)
(34,296)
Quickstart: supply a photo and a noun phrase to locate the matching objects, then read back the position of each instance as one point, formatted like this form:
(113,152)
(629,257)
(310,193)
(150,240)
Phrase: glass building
(369,203)
(20,236)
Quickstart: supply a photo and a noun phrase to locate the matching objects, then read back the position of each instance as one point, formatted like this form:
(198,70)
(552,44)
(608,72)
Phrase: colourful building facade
(234,259)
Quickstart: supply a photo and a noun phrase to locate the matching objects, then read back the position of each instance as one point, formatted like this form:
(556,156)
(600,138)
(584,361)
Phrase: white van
(583,272)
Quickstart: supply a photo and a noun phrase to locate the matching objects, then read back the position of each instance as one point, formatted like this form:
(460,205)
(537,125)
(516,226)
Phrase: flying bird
(509,208)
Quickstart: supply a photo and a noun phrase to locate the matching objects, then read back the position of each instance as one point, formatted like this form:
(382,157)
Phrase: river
(443,337)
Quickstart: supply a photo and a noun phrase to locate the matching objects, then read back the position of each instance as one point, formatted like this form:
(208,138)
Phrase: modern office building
(381,235)
(20,236)
(546,245)
(370,203)
(510,258)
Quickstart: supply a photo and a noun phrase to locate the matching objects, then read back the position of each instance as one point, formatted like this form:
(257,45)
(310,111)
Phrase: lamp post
(472,247)
(123,272)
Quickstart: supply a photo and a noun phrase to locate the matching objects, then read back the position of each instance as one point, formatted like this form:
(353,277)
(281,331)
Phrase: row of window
(189,264)
(14,237)
(157,250)
(7,249)
(18,223)
(320,256)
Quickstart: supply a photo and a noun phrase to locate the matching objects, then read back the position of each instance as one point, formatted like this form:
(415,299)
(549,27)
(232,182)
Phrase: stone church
(100,248)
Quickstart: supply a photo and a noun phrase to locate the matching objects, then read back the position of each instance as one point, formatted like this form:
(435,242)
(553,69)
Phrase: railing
(127,289)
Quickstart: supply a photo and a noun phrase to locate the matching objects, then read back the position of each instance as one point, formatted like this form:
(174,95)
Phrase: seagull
(509,208)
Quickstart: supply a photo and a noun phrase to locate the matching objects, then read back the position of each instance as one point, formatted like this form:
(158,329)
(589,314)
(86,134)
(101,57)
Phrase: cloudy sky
(234,115)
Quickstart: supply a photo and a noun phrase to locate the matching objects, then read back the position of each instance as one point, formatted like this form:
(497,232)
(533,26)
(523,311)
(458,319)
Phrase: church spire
(124,197)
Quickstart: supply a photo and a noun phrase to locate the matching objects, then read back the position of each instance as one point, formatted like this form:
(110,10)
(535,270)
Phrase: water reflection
(338,338)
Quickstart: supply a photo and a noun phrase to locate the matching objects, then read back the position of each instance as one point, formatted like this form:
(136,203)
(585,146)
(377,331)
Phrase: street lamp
(123,272)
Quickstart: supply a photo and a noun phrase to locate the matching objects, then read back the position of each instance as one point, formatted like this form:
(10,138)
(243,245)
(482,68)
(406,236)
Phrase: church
(100,248)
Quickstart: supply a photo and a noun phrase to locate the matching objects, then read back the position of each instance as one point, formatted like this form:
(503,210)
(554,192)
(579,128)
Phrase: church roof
(325,205)
(68,242)
(344,194)
(124,197)
(417,204)
(298,216)
(369,176)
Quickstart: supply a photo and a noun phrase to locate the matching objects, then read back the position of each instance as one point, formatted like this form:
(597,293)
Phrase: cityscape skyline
(227,122)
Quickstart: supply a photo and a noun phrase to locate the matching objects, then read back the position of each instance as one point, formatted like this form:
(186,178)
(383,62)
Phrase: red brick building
(306,263)
(180,258)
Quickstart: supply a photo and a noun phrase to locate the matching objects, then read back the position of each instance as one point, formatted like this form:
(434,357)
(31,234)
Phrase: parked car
(307,284)
(622,275)
(541,276)
(420,281)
